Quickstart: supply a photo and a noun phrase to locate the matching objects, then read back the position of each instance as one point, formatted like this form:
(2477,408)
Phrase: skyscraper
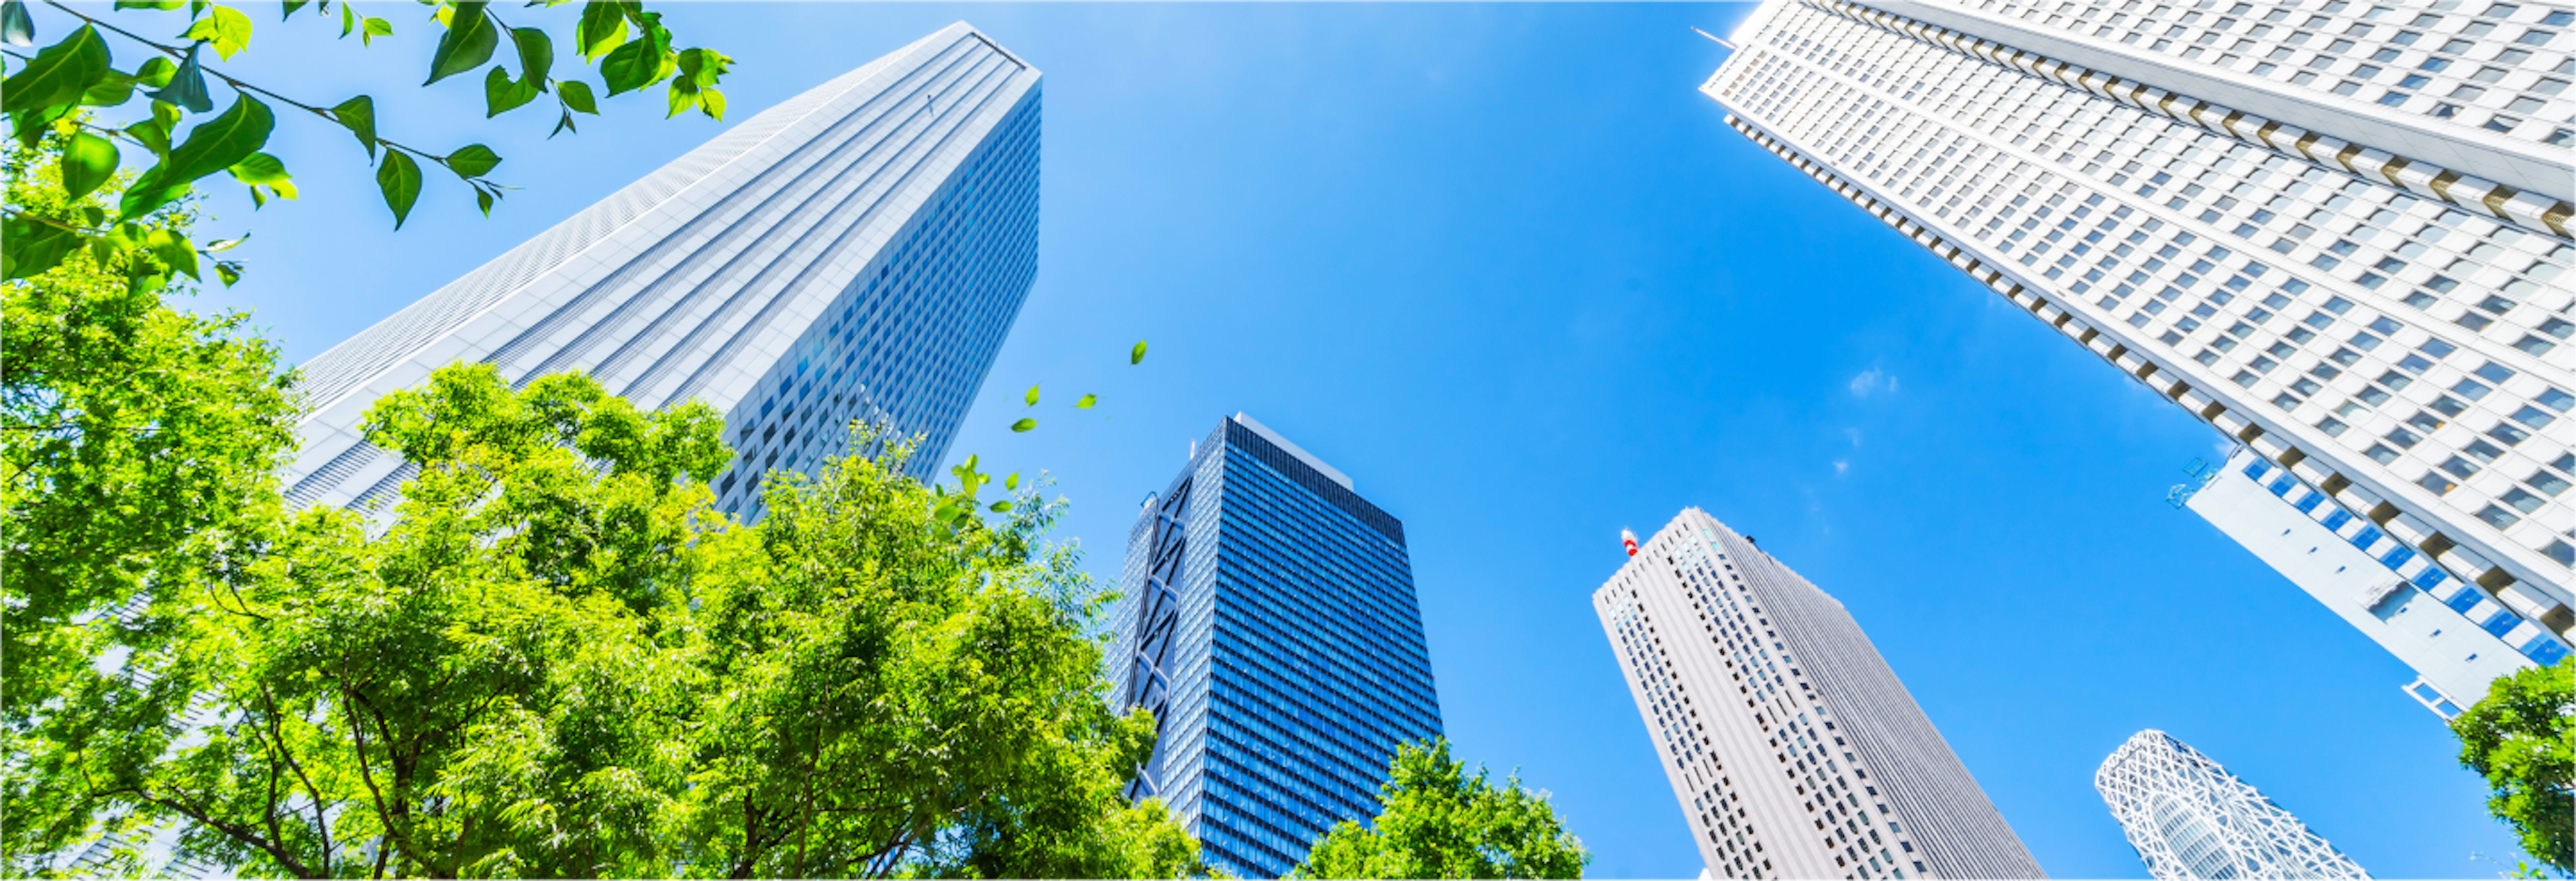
(2458,639)
(2336,231)
(1267,619)
(1793,749)
(859,251)
(2189,818)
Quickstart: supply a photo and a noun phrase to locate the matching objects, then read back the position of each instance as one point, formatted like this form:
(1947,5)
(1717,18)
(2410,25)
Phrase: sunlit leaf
(88,161)
(1137,355)
(1024,425)
(1086,402)
(224,28)
(1031,397)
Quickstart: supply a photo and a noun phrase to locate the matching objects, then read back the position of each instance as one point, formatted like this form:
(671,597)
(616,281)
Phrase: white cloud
(1872,381)
(1841,465)
(1854,434)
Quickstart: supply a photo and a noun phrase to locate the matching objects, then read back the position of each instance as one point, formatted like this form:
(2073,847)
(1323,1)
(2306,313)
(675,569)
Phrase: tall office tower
(1790,744)
(1267,619)
(2458,639)
(2189,818)
(2333,230)
(858,251)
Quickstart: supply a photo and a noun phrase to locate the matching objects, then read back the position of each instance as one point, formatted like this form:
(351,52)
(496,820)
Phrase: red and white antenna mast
(1628,539)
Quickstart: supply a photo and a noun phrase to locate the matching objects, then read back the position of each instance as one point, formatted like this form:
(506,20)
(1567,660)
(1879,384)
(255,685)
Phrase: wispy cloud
(1841,465)
(1873,381)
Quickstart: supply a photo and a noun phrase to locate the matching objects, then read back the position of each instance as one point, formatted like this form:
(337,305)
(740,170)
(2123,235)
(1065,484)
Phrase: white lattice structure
(2189,818)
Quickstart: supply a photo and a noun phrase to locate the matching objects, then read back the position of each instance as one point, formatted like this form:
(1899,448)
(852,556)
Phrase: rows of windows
(2489,66)
(2149,272)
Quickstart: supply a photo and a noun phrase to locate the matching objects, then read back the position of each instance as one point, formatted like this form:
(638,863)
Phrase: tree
(556,661)
(2522,738)
(1436,822)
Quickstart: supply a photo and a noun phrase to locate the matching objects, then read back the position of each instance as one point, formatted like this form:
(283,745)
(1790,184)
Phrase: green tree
(1434,821)
(556,661)
(2522,738)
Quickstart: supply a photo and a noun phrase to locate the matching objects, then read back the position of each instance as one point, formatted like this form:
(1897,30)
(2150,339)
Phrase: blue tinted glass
(2255,469)
(2310,503)
(2430,577)
(2337,519)
(2366,537)
(2468,596)
(2500,622)
(2397,556)
(2543,650)
(2282,486)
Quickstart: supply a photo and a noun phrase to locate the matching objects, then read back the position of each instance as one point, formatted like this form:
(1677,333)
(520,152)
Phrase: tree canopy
(1435,821)
(2522,738)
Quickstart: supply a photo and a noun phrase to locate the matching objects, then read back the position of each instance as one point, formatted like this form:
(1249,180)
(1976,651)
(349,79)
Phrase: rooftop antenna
(1713,38)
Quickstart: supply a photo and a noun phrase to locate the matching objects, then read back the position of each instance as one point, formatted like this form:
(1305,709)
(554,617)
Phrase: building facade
(2458,639)
(857,252)
(1267,618)
(1792,747)
(2335,231)
(2190,819)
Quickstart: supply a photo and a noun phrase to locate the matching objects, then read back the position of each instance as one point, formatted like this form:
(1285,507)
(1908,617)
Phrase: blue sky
(1508,269)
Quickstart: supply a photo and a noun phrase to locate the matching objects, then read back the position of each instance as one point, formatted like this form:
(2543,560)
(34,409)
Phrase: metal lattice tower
(2189,818)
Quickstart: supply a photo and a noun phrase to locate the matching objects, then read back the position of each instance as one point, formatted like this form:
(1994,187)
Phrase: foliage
(2522,738)
(554,660)
(59,89)
(1436,822)
(134,435)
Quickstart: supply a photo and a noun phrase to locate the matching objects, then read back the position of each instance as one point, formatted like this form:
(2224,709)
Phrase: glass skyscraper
(859,251)
(2336,231)
(1267,618)
(2190,819)
(1794,750)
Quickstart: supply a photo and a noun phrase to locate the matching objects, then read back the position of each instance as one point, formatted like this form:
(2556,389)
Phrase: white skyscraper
(2190,819)
(2336,231)
(2457,638)
(1793,749)
(858,251)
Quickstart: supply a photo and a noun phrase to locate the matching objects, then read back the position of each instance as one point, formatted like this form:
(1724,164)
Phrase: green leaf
(173,250)
(229,272)
(58,74)
(399,178)
(150,4)
(219,246)
(1031,397)
(348,20)
(576,96)
(110,90)
(603,27)
(468,42)
(712,103)
(682,96)
(641,62)
(501,94)
(212,146)
(1137,355)
(29,248)
(1011,482)
(358,115)
(536,56)
(1086,402)
(187,86)
(226,28)
(291,6)
(702,67)
(88,161)
(483,200)
(263,170)
(471,161)
(1001,506)
(16,28)
(156,72)
(563,125)
(1024,425)
(370,29)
